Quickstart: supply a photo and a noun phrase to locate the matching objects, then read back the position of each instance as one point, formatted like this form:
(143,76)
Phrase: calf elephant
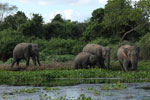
(101,52)
(83,59)
(128,57)
(25,51)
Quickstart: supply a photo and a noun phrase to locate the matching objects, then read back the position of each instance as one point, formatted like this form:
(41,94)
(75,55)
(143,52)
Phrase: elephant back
(81,56)
(19,50)
(94,49)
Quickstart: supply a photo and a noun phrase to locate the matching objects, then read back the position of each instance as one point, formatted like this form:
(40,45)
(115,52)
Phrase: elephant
(83,59)
(103,53)
(25,51)
(128,57)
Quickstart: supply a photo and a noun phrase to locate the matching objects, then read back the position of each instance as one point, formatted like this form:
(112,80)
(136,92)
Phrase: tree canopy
(119,20)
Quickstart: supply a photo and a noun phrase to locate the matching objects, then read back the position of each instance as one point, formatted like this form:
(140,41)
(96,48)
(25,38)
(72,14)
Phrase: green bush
(101,41)
(144,45)
(9,61)
(57,46)
(77,48)
(59,58)
(8,40)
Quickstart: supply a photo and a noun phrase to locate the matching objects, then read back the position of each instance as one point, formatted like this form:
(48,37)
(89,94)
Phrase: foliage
(58,46)
(59,58)
(33,27)
(45,77)
(8,40)
(6,9)
(144,45)
(118,20)
(117,86)
(13,21)
(101,41)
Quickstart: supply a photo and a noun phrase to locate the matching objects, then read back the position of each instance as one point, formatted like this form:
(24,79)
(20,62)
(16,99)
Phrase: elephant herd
(92,55)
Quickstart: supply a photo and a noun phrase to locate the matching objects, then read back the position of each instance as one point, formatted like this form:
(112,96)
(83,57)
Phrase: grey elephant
(83,59)
(103,53)
(128,57)
(25,51)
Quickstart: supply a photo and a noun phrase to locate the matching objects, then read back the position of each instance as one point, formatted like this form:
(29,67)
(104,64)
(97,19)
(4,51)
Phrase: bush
(8,40)
(144,45)
(59,58)
(77,48)
(57,46)
(101,41)
(9,61)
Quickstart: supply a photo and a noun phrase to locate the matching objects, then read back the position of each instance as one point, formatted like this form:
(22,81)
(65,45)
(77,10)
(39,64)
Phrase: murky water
(133,91)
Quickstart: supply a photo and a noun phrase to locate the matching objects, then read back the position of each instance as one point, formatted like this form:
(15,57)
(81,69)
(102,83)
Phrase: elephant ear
(138,50)
(125,52)
(29,48)
(99,52)
(107,51)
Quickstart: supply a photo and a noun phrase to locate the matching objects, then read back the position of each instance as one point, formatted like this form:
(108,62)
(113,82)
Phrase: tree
(9,38)
(5,10)
(97,15)
(57,18)
(13,21)
(33,27)
(123,20)
(95,26)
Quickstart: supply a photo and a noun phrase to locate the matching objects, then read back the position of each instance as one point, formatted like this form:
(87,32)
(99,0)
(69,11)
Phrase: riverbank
(69,75)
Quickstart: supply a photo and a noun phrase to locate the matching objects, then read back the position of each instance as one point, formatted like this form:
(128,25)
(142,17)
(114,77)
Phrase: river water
(133,91)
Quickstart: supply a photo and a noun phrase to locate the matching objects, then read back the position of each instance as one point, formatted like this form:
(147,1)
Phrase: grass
(53,74)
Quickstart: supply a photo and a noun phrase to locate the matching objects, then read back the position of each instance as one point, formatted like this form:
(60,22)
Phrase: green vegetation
(81,97)
(71,76)
(93,91)
(31,90)
(117,86)
(61,40)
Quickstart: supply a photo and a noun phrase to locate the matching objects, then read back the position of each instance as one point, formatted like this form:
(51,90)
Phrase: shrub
(57,46)
(77,48)
(59,58)
(8,40)
(144,45)
(101,41)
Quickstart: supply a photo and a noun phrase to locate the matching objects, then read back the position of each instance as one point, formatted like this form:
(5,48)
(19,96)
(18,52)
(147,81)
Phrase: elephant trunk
(38,60)
(108,62)
(134,62)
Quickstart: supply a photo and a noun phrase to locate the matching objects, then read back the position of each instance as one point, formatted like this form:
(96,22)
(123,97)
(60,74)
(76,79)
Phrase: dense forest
(62,39)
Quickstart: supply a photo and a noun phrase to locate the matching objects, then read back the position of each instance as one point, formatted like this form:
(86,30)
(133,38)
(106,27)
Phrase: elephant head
(33,50)
(132,54)
(106,55)
(94,60)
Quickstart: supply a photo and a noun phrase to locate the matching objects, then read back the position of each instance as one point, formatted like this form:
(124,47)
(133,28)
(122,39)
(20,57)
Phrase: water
(133,91)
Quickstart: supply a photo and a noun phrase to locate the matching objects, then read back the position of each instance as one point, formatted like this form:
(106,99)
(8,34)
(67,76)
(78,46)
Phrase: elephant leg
(27,61)
(84,65)
(125,65)
(38,60)
(34,60)
(14,61)
(18,62)
(121,65)
(102,64)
